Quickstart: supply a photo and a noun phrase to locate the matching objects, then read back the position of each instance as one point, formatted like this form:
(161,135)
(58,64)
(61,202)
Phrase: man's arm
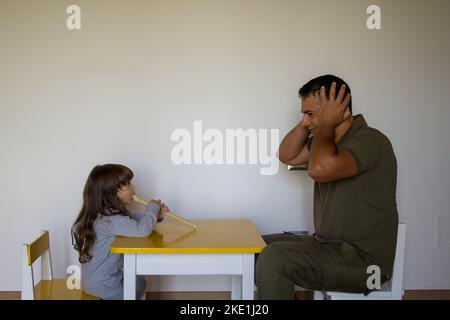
(293,150)
(326,162)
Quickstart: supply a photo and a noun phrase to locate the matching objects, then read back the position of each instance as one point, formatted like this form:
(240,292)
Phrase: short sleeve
(365,148)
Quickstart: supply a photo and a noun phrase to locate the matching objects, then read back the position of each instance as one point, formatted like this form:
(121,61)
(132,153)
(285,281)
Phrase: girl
(104,216)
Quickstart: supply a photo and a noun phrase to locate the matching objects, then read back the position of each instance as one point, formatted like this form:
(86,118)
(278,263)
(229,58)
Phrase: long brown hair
(99,198)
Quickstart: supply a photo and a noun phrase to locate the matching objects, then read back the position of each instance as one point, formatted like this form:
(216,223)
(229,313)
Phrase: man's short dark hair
(314,85)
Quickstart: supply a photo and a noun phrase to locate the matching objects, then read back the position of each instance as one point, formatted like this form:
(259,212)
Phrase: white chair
(48,288)
(390,290)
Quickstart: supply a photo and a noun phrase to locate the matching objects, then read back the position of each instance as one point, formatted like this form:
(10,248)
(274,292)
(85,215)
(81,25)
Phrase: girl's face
(125,193)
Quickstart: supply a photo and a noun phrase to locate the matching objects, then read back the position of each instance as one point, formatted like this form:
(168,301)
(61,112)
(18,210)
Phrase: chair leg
(27,277)
(319,295)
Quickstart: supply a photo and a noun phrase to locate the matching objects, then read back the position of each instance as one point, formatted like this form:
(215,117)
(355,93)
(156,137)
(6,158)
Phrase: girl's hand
(162,208)
(157,201)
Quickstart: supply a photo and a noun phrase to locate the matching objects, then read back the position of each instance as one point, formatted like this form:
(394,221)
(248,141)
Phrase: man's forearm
(323,148)
(293,143)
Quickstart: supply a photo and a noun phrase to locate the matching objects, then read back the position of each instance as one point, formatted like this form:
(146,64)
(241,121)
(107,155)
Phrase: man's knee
(271,282)
(269,257)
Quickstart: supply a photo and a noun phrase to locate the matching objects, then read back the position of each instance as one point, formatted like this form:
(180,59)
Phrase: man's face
(310,108)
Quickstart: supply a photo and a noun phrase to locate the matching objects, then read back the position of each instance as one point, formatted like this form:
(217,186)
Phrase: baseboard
(188,295)
(180,295)
(9,295)
(225,295)
(427,295)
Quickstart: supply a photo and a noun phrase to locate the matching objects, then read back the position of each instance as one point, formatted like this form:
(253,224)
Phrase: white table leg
(248,261)
(236,287)
(129,277)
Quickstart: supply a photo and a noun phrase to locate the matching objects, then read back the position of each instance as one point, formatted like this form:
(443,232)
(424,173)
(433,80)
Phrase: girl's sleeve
(136,225)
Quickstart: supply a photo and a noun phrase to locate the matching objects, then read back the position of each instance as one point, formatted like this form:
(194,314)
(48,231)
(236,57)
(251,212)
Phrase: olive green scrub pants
(290,260)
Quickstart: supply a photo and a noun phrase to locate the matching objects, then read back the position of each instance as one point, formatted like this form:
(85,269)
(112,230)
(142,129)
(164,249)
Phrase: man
(355,213)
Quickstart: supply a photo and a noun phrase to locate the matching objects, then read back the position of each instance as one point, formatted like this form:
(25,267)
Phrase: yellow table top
(211,236)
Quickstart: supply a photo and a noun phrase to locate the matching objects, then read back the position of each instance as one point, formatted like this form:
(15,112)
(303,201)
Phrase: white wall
(114,91)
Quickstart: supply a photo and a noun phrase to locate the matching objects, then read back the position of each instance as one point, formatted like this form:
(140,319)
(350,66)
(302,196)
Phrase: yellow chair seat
(56,289)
